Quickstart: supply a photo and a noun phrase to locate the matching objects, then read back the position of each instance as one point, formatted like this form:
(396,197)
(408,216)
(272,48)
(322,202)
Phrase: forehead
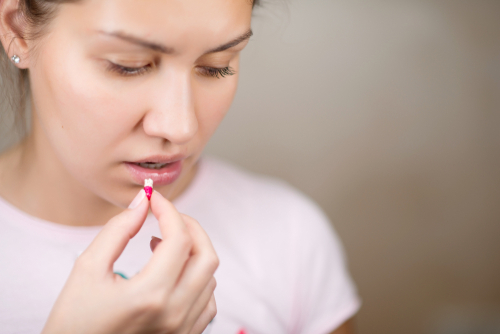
(173,22)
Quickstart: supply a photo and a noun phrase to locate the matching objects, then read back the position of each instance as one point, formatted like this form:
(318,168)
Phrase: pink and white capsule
(148,188)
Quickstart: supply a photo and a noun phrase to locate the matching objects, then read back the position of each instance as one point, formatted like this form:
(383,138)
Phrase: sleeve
(324,293)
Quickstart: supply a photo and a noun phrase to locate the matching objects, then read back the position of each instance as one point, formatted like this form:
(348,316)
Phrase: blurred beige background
(388,114)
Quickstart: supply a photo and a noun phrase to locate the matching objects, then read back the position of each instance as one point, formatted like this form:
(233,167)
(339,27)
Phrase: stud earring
(15,59)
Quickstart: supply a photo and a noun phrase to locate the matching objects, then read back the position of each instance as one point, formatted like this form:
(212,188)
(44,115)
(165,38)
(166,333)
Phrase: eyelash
(137,71)
(218,72)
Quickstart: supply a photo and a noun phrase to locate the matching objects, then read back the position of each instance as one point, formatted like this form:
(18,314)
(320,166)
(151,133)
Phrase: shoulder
(260,206)
(238,184)
(271,227)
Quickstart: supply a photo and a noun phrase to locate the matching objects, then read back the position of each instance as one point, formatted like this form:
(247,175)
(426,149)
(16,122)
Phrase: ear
(12,26)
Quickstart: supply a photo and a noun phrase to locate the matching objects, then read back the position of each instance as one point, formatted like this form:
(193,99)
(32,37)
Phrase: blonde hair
(14,83)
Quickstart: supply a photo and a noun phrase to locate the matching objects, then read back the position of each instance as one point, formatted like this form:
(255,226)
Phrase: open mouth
(162,170)
(152,165)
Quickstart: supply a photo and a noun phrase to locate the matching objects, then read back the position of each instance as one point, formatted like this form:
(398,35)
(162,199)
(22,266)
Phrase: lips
(162,170)
(159,159)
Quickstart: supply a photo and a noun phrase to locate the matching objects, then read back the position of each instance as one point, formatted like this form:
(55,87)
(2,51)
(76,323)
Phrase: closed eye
(217,72)
(213,72)
(128,71)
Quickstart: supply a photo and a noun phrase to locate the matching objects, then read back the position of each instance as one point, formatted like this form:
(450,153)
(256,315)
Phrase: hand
(173,293)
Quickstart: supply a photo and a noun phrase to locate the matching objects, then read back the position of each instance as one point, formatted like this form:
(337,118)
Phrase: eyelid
(128,71)
(133,71)
(130,63)
(223,57)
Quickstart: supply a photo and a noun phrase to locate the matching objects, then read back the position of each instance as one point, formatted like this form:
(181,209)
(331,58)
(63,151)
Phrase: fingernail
(137,200)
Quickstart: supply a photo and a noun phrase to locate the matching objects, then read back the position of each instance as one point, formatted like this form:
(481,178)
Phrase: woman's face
(121,82)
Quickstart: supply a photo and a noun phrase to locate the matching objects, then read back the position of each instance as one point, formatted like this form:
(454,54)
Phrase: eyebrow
(164,49)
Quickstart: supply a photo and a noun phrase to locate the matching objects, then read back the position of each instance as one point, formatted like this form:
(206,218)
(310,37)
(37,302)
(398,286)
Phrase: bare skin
(113,82)
(168,106)
(171,294)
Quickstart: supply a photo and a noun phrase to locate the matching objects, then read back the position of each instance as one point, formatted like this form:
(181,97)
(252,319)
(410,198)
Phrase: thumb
(115,235)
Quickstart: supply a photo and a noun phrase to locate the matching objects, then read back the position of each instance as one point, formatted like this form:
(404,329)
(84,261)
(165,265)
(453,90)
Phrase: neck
(40,188)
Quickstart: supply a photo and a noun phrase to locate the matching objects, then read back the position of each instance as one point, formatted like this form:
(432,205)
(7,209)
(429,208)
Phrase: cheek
(78,113)
(82,110)
(213,104)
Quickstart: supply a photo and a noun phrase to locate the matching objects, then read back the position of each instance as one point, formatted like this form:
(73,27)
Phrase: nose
(171,114)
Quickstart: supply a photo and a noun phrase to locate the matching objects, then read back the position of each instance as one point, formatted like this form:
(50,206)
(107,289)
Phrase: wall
(387,113)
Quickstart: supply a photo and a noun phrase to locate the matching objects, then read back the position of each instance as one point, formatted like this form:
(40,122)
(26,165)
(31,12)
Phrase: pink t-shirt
(282,267)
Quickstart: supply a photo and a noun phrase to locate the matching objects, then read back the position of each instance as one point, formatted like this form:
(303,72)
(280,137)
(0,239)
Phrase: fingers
(206,317)
(166,213)
(201,303)
(201,265)
(182,266)
(170,255)
(115,235)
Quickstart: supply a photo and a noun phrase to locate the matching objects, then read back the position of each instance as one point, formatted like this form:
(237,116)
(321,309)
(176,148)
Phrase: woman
(121,91)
